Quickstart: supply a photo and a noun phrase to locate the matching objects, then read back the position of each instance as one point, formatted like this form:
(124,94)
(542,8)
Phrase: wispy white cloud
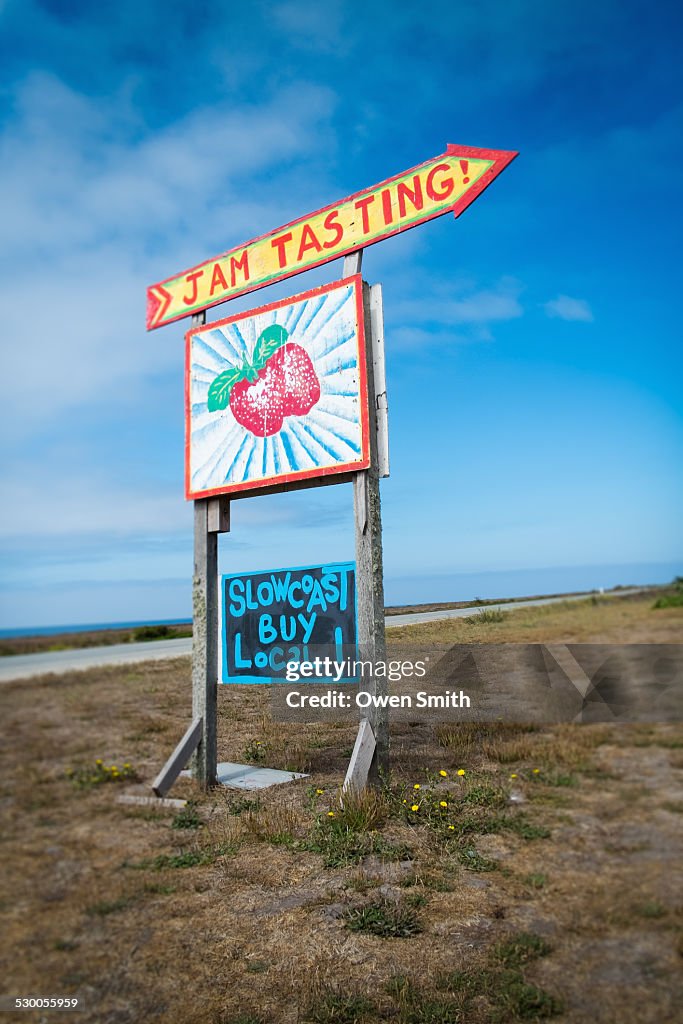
(100,208)
(81,171)
(564,307)
(454,312)
(322,28)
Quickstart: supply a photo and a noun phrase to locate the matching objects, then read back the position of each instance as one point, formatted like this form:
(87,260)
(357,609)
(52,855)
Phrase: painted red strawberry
(300,384)
(279,381)
(258,404)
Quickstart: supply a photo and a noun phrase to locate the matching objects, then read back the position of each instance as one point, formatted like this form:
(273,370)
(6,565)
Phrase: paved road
(24,666)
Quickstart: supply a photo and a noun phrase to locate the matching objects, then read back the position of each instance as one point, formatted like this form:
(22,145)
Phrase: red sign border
(501,159)
(284,482)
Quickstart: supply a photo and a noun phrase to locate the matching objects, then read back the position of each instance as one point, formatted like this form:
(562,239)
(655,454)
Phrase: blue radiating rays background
(223,452)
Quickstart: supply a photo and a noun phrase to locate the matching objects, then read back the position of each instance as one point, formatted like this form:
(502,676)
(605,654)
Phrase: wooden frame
(286,648)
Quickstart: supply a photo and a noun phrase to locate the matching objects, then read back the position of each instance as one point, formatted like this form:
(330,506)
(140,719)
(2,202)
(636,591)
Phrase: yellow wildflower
(98,761)
(443,774)
(320,792)
(443,803)
(514,775)
(536,771)
(330,814)
(451,828)
(461,771)
(415,807)
(416,786)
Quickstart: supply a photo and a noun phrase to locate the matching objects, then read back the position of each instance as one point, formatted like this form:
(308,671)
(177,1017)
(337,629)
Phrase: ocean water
(505,583)
(427,588)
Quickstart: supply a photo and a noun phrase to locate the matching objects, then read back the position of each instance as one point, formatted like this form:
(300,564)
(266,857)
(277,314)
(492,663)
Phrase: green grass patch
(85,776)
(501,983)
(417,1007)
(536,880)
(158,889)
(520,949)
(333,1007)
(384,918)
(518,1000)
(483,794)
(340,845)
(255,752)
(669,601)
(557,778)
(490,824)
(243,805)
(186,859)
(525,829)
(243,1018)
(653,909)
(187,818)
(416,899)
(106,907)
(65,945)
(257,966)
(469,858)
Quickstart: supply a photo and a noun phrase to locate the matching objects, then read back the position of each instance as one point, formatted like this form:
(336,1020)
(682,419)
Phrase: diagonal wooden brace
(178,759)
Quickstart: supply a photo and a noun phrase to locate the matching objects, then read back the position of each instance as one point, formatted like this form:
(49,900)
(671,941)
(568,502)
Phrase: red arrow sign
(450,181)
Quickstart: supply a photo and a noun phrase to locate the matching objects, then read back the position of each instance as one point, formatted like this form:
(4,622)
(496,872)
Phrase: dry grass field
(504,873)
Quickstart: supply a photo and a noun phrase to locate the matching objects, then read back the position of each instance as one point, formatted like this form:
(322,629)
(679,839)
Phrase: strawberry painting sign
(277,394)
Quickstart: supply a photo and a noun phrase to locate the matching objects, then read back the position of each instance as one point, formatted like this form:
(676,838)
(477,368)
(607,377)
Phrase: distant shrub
(151,633)
(486,615)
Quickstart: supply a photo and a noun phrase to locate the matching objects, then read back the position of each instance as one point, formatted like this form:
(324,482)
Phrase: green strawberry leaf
(269,341)
(220,388)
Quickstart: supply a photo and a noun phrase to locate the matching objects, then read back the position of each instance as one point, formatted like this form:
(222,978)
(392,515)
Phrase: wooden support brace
(218,515)
(150,801)
(360,502)
(178,759)
(353,263)
(380,379)
(361,759)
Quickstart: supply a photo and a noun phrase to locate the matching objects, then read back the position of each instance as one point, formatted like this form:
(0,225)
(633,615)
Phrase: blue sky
(533,345)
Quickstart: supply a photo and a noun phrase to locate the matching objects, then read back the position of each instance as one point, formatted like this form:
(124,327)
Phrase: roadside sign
(447,182)
(278,394)
(286,615)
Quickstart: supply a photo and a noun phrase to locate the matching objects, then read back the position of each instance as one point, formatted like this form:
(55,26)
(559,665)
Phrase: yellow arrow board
(447,182)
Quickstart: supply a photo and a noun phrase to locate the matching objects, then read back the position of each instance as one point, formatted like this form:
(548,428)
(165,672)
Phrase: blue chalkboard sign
(286,615)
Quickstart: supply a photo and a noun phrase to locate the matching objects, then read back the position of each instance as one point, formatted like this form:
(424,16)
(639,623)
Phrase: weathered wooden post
(370,747)
(211,517)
